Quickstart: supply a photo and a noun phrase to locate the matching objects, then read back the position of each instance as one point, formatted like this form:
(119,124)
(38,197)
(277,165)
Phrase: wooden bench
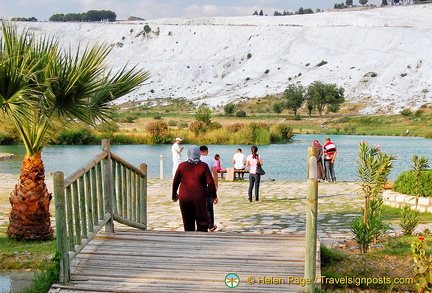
(231,173)
(222,172)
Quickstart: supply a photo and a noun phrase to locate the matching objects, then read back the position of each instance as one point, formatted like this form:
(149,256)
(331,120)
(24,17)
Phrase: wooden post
(143,195)
(311,221)
(61,227)
(161,167)
(109,226)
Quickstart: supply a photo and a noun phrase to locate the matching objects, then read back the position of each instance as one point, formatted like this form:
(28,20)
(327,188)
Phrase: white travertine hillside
(382,56)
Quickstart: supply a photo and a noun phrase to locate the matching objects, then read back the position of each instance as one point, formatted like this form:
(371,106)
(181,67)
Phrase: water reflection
(15,281)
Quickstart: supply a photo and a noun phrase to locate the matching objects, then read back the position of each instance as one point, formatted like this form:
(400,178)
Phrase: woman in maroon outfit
(196,184)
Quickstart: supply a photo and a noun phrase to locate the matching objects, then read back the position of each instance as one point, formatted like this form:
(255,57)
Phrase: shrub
(198,127)
(215,126)
(321,63)
(423,266)
(6,139)
(330,256)
(249,55)
(281,132)
(235,127)
(241,113)
(267,71)
(172,123)
(158,131)
(405,183)
(157,117)
(229,109)
(183,124)
(406,112)
(409,220)
(81,136)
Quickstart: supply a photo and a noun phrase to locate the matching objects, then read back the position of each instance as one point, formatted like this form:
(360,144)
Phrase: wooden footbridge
(97,256)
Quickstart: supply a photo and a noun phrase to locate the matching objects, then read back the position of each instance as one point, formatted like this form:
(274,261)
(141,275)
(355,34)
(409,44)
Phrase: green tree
(229,109)
(295,97)
(363,2)
(349,3)
(277,108)
(322,96)
(44,90)
(203,114)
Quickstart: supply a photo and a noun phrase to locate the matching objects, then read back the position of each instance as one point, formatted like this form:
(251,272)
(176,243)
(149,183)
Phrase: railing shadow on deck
(104,190)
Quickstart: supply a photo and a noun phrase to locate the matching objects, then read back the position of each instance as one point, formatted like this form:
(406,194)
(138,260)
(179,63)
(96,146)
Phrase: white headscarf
(193,154)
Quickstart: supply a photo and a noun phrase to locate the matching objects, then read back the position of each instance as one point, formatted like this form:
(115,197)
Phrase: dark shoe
(213,229)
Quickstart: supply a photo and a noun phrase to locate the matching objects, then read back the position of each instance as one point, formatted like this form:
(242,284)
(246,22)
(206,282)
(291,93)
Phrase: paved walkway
(282,209)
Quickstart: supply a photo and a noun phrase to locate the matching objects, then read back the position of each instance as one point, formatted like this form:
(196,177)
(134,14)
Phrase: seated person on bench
(218,165)
(239,161)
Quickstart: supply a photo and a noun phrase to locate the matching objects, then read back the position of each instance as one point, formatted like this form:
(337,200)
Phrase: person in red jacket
(330,152)
(194,183)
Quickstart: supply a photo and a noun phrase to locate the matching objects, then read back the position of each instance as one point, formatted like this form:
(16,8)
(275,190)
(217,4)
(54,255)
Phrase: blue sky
(148,9)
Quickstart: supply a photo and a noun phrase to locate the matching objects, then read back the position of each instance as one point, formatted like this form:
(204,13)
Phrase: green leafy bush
(81,136)
(241,113)
(409,220)
(405,183)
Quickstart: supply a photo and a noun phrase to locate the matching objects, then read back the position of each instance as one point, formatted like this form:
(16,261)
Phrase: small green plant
(419,164)
(267,71)
(403,74)
(249,55)
(422,266)
(409,220)
(330,256)
(373,168)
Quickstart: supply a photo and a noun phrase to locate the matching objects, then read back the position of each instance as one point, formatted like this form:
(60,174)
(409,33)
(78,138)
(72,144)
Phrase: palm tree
(44,90)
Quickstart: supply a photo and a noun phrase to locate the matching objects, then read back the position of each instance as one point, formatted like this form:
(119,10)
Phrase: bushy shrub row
(405,183)
(7,139)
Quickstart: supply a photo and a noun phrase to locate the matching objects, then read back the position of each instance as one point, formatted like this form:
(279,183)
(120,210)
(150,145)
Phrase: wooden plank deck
(162,261)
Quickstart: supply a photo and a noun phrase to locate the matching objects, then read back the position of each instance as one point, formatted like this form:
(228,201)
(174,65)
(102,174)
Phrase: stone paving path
(281,210)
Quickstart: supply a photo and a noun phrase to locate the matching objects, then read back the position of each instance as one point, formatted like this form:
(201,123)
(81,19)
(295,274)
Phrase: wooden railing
(105,189)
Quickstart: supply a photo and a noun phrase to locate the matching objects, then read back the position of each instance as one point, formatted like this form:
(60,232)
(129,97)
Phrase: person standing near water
(176,154)
(252,161)
(320,167)
(330,152)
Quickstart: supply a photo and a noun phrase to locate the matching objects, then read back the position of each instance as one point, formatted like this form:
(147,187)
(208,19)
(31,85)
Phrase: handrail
(105,189)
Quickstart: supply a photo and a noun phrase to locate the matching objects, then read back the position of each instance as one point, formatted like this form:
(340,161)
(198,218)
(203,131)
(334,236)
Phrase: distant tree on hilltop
(305,11)
(363,2)
(24,19)
(91,15)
